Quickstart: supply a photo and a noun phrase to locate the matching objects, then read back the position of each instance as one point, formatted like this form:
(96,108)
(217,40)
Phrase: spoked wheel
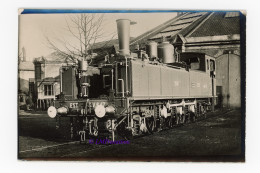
(169,122)
(187,118)
(192,117)
(150,124)
(162,124)
(174,120)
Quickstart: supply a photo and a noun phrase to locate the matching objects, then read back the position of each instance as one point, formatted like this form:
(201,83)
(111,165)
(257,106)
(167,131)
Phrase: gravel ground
(217,138)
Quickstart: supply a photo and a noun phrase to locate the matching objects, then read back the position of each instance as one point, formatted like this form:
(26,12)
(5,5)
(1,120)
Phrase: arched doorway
(228,80)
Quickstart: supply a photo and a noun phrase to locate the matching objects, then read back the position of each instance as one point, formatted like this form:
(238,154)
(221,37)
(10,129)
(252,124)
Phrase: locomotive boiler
(135,93)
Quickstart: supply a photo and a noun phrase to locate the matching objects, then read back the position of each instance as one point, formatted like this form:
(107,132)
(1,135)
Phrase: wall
(228,77)
(214,51)
(52,70)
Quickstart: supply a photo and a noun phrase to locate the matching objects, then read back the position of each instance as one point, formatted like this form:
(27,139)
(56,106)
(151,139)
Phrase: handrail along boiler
(133,93)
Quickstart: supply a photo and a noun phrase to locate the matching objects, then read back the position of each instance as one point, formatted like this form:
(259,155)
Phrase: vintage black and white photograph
(131,85)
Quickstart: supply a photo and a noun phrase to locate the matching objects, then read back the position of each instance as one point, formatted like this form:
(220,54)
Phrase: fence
(43,104)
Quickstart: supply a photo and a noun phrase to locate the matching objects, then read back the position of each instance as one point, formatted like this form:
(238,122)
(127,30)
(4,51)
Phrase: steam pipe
(116,76)
(123,88)
(112,77)
(126,76)
(60,79)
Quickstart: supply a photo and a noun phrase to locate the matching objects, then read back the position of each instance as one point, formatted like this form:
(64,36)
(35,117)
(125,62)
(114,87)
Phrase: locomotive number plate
(73,105)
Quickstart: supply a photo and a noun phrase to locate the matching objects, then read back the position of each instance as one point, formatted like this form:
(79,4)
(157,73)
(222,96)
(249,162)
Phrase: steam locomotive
(134,93)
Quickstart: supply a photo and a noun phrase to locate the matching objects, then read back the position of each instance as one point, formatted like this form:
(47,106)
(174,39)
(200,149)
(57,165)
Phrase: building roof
(193,24)
(53,57)
(107,44)
(219,23)
(170,28)
(26,66)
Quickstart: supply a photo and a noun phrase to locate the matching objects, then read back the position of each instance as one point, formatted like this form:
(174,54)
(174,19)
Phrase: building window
(48,90)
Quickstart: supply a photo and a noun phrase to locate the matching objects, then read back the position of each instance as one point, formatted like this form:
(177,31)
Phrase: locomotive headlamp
(52,112)
(100,111)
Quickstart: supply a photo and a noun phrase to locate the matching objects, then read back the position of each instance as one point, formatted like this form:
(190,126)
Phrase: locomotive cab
(199,61)
(101,86)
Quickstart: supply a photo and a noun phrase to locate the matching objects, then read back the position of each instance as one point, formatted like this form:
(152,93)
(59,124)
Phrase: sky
(34,28)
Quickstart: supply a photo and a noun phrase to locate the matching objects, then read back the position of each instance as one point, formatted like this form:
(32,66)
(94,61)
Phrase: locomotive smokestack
(123,30)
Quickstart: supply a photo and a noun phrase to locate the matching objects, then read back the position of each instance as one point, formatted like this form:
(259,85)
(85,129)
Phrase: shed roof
(194,24)
(54,57)
(219,23)
(171,27)
(107,44)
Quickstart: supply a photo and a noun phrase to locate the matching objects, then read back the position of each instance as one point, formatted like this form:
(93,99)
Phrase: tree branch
(85,29)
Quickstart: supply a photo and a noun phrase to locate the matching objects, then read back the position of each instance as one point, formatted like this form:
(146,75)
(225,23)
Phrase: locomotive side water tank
(151,49)
(165,52)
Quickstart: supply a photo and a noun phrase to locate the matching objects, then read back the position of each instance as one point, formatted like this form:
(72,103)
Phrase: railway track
(47,147)
(75,148)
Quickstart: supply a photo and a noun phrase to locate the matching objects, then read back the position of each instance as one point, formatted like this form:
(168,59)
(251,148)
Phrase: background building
(47,80)
(25,80)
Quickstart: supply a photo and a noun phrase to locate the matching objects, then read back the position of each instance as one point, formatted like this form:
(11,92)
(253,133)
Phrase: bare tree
(85,29)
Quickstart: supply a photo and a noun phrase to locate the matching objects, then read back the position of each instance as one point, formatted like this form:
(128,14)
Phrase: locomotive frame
(134,93)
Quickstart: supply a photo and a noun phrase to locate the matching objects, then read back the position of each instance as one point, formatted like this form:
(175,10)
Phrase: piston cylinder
(166,52)
(110,110)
